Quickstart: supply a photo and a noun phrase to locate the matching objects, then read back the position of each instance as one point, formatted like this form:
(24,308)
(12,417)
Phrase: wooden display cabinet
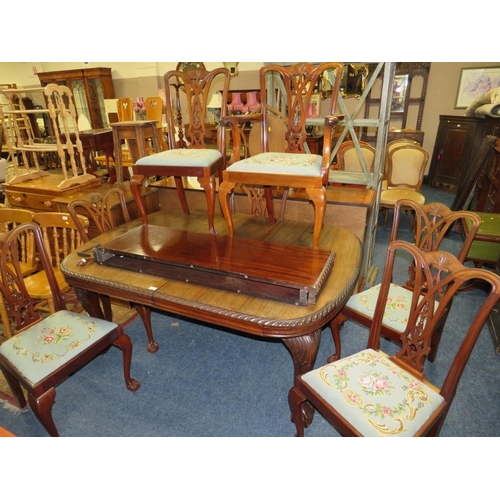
(90,87)
(457,141)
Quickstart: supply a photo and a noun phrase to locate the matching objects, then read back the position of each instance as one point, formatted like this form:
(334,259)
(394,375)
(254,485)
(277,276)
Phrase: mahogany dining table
(298,327)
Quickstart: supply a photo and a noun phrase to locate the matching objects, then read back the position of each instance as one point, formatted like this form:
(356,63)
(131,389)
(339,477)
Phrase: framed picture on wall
(474,82)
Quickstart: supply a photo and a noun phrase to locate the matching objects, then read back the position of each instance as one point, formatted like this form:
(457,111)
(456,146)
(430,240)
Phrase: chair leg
(106,307)
(42,408)
(335,326)
(125,344)
(225,190)
(181,194)
(295,401)
(284,198)
(268,193)
(208,185)
(145,314)
(318,197)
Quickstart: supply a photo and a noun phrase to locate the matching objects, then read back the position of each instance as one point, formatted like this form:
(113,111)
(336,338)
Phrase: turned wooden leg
(225,190)
(145,314)
(135,186)
(42,408)
(125,344)
(335,326)
(181,194)
(208,185)
(304,350)
(318,197)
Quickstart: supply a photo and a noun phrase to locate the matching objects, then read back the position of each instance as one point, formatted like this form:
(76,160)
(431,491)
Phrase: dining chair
(102,211)
(46,351)
(64,120)
(286,92)
(404,174)
(125,109)
(374,393)
(10,218)
(349,160)
(187,95)
(432,223)
(61,237)
(154,111)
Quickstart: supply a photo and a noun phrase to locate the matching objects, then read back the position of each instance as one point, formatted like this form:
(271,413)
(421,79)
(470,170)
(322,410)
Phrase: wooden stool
(136,133)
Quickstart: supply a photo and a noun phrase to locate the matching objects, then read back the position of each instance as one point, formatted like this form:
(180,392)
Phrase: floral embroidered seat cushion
(280,163)
(396,309)
(42,348)
(375,395)
(182,158)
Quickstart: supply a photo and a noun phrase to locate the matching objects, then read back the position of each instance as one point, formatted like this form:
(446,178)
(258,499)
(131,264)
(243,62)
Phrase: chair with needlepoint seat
(97,209)
(187,94)
(373,393)
(46,351)
(432,223)
(286,92)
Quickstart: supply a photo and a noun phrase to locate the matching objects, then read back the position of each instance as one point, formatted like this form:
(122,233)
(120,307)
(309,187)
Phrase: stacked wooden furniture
(30,186)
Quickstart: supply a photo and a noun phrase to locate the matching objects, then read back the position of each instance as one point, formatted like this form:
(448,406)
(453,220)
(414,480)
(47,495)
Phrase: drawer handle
(47,203)
(18,199)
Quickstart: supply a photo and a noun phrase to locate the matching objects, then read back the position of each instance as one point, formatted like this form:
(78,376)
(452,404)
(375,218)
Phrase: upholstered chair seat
(48,345)
(375,395)
(280,163)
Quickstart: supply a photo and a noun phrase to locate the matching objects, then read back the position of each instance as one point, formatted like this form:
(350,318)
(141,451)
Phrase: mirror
(399,88)
(353,80)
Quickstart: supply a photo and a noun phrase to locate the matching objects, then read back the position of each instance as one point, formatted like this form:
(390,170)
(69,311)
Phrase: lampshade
(215,101)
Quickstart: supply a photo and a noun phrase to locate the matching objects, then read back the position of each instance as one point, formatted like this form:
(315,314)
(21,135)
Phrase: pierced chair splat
(432,223)
(286,92)
(188,92)
(97,209)
(31,359)
(349,392)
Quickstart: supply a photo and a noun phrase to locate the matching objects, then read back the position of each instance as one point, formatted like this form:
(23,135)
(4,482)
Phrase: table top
(254,315)
(489,230)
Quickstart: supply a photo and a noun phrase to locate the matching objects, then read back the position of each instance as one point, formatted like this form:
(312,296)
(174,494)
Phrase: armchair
(285,92)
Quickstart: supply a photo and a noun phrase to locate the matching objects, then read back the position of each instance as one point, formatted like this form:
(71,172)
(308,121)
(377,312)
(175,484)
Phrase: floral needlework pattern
(375,394)
(285,160)
(56,341)
(397,305)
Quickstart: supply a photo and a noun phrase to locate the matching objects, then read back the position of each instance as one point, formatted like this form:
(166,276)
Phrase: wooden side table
(136,134)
